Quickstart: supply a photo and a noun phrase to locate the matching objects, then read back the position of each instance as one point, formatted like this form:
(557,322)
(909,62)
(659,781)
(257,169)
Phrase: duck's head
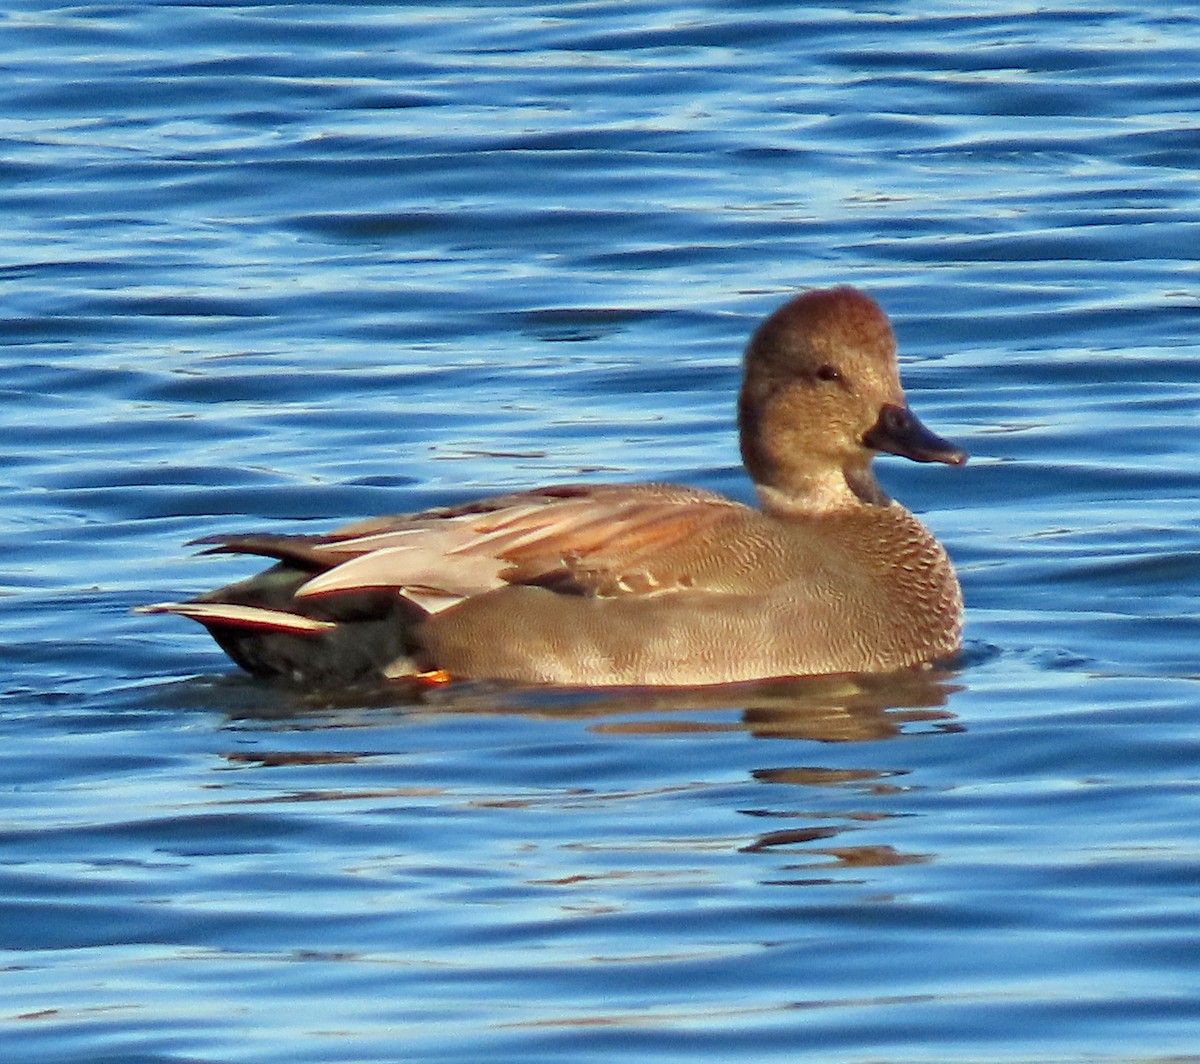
(821,396)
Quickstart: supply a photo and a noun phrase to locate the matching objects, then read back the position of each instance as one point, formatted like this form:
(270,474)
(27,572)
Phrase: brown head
(821,396)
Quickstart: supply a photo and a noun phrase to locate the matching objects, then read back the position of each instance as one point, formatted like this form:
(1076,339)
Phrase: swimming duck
(640,584)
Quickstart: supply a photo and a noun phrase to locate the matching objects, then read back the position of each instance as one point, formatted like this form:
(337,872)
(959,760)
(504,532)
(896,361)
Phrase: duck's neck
(827,492)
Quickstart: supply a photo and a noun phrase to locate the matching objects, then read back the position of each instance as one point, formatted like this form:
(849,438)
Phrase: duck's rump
(333,641)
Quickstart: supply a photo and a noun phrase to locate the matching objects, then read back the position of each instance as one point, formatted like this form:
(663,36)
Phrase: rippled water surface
(275,265)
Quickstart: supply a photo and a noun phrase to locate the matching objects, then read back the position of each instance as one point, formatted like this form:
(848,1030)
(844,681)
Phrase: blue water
(280,266)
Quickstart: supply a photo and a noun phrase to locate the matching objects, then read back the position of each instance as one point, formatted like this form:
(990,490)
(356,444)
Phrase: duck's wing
(601,540)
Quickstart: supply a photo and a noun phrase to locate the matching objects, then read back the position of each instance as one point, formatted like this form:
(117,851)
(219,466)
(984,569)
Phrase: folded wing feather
(599,541)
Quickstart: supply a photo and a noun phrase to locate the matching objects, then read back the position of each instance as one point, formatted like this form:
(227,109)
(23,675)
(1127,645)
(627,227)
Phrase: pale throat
(822,491)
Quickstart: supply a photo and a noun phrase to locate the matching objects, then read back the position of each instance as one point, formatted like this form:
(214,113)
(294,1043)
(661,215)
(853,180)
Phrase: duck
(638,585)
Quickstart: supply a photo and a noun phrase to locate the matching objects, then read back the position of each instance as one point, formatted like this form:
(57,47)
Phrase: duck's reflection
(813,838)
(829,709)
(843,708)
(849,708)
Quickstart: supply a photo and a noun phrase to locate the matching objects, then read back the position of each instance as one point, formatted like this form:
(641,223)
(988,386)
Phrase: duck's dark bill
(898,431)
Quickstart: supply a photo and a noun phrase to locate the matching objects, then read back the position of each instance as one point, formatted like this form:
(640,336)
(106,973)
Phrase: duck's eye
(827,372)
